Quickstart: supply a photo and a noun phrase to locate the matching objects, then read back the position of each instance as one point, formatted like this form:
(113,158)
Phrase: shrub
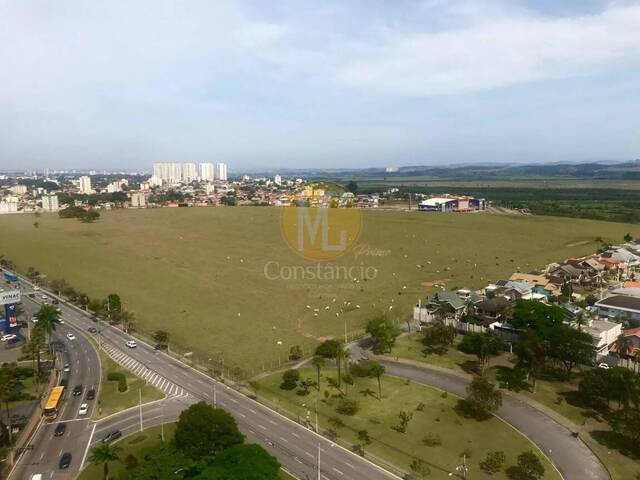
(130,462)
(290,379)
(119,377)
(432,440)
(493,463)
(347,406)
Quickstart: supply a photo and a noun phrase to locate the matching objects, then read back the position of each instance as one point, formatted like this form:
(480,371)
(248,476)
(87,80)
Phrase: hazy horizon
(356,84)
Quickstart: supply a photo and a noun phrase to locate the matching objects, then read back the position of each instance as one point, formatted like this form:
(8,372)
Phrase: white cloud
(489,54)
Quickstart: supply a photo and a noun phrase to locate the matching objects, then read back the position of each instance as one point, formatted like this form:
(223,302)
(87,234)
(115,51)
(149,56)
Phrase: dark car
(91,394)
(55,301)
(31,295)
(64,382)
(77,390)
(93,329)
(65,460)
(60,429)
(111,436)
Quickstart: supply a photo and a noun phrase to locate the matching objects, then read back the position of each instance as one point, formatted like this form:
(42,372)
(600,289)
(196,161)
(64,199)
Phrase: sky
(324,84)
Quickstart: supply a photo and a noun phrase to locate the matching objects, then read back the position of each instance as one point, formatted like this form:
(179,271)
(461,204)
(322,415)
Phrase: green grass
(199,272)
(111,401)
(137,445)
(377,417)
(555,395)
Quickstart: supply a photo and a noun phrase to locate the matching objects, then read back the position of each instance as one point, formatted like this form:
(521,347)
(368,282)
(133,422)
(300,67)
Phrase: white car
(34,319)
(67,367)
(8,336)
(44,297)
(36,288)
(36,476)
(84,409)
(604,366)
(131,344)
(71,336)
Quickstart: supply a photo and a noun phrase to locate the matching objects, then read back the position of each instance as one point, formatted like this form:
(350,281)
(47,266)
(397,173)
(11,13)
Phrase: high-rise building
(175,172)
(221,171)
(85,185)
(207,172)
(138,200)
(50,202)
(277,180)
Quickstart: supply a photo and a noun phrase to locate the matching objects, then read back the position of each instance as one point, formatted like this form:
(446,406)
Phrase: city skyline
(300,85)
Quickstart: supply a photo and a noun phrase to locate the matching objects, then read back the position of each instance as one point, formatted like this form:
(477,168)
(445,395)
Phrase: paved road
(571,456)
(295,446)
(47,449)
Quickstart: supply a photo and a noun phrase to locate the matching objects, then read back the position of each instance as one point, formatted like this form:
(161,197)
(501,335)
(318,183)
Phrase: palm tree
(377,370)
(128,320)
(162,339)
(7,389)
(340,355)
(36,342)
(318,362)
(105,453)
(48,320)
(624,346)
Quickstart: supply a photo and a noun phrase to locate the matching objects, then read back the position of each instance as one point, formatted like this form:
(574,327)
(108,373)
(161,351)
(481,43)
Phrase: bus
(52,406)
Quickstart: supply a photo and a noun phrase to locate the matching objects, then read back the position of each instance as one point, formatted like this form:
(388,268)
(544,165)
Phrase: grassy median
(436,434)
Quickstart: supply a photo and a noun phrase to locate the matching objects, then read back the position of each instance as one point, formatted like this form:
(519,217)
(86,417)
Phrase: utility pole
(319,475)
(140,406)
(162,421)
(346,340)
(215,396)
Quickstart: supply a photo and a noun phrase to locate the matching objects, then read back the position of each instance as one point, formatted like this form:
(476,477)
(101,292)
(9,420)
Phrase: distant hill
(592,170)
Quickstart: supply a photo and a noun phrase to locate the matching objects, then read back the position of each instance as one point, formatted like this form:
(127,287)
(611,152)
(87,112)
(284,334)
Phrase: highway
(84,370)
(296,447)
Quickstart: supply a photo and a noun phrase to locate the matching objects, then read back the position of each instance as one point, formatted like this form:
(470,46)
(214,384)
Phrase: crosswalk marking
(143,372)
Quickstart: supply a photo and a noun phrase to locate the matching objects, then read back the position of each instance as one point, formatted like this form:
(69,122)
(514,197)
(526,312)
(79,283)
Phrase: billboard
(11,315)
(10,296)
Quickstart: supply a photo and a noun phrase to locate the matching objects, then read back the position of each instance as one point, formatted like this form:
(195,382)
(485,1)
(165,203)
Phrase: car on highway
(77,390)
(8,336)
(111,436)
(34,319)
(36,476)
(66,368)
(604,366)
(55,301)
(65,460)
(31,295)
(131,344)
(64,382)
(44,298)
(36,288)
(93,330)
(71,336)
(91,394)
(84,409)
(60,429)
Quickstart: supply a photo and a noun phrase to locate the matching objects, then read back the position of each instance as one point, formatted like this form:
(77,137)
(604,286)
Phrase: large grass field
(200,272)
(433,415)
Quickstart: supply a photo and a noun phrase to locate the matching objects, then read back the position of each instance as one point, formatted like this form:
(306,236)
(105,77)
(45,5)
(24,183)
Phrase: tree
(571,347)
(438,337)
(377,370)
(482,397)
(364,438)
(352,187)
(567,290)
(34,347)
(419,470)
(163,462)
(103,454)
(8,383)
(90,217)
(328,349)
(318,362)
(203,430)
(290,379)
(384,333)
(247,462)
(493,462)
(623,345)
(483,345)
(531,353)
(128,321)
(48,320)
(113,306)
(529,467)
(161,337)
(58,285)
(624,387)
(628,237)
(595,387)
(295,353)
(537,316)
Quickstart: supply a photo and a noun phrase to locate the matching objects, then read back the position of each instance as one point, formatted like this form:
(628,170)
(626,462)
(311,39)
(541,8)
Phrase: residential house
(541,284)
(604,334)
(447,304)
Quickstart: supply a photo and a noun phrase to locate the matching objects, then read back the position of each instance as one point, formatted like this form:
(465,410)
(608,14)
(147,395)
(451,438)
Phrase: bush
(529,467)
(290,379)
(119,377)
(432,440)
(130,462)
(493,463)
(347,406)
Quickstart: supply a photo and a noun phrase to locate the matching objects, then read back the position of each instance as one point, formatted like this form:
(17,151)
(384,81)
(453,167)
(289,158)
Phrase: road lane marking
(337,471)
(86,450)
